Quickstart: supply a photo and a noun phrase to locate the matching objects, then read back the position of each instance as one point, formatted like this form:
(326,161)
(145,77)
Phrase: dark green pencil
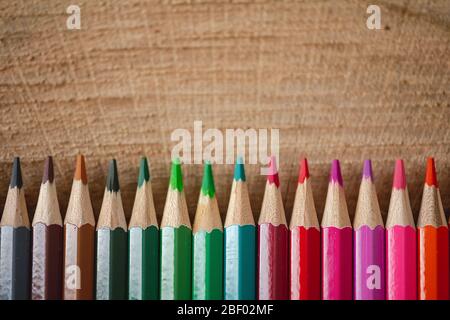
(111,283)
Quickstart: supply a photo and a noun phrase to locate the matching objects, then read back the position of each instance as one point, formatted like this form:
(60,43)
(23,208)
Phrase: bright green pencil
(143,242)
(175,241)
(207,275)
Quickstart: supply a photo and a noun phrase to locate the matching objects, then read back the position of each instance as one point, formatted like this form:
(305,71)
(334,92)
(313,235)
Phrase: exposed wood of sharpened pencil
(46,274)
(111,272)
(273,242)
(336,241)
(15,242)
(369,242)
(143,240)
(176,241)
(401,277)
(240,241)
(304,241)
(432,241)
(207,266)
(79,239)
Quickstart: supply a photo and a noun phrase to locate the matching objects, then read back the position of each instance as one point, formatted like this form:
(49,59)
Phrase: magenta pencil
(401,255)
(336,241)
(368,246)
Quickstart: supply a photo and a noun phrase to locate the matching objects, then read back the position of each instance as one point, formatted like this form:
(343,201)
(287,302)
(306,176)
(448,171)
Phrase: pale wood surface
(139,69)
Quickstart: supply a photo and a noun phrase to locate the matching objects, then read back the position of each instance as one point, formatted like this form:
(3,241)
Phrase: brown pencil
(46,270)
(79,239)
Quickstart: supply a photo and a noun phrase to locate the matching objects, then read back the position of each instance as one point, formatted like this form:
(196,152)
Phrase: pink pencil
(401,277)
(337,241)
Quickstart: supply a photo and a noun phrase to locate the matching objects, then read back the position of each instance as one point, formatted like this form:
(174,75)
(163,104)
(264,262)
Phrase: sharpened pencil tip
(176,176)
(430,178)
(272,177)
(239,170)
(80,169)
(335,174)
(144,173)
(48,170)
(304,171)
(367,170)
(208,188)
(16,176)
(399,175)
(112,181)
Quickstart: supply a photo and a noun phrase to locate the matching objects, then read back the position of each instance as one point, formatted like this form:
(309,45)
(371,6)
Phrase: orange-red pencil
(432,241)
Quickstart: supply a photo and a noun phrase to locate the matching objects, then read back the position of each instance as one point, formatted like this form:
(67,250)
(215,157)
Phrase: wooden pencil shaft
(143,282)
(175,276)
(240,262)
(111,264)
(46,275)
(273,273)
(207,267)
(15,263)
(337,257)
(401,263)
(433,263)
(369,263)
(79,260)
(305,263)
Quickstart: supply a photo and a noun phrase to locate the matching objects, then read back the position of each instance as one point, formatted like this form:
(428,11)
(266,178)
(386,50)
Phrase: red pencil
(272,242)
(305,241)
(432,241)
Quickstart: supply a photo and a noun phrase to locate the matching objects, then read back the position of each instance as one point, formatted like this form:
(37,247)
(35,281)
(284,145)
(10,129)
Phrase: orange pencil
(432,241)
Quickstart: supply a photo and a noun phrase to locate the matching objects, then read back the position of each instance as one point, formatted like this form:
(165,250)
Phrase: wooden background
(139,69)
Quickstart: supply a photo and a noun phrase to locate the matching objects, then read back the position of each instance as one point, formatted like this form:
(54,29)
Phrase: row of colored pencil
(270,261)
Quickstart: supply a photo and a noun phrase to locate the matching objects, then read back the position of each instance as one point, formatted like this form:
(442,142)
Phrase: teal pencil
(240,241)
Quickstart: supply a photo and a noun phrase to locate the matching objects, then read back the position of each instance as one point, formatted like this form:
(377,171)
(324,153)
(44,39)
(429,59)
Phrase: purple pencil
(369,243)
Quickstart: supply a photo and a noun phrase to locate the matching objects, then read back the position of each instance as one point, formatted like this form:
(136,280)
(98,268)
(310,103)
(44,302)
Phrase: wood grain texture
(117,88)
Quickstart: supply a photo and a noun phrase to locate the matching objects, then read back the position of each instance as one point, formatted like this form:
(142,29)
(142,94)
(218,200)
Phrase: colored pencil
(207,235)
(273,242)
(401,277)
(175,242)
(432,241)
(304,241)
(79,239)
(369,242)
(240,241)
(337,241)
(15,241)
(143,240)
(46,270)
(111,242)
